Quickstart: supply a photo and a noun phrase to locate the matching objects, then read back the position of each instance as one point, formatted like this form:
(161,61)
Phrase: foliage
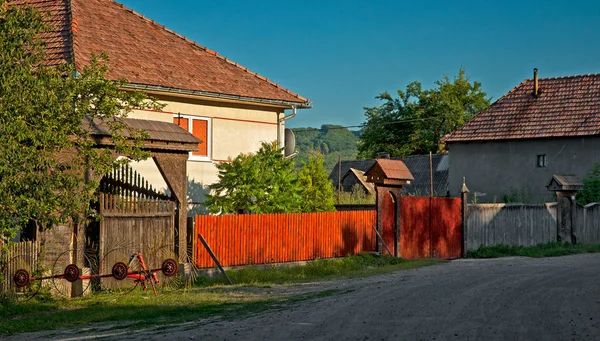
(553,249)
(518,196)
(330,141)
(591,187)
(45,118)
(264,182)
(316,190)
(356,197)
(416,121)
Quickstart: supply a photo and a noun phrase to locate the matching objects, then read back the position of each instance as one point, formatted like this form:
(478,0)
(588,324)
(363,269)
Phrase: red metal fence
(275,238)
(430,227)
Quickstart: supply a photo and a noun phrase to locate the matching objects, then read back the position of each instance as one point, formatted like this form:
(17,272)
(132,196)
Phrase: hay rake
(120,271)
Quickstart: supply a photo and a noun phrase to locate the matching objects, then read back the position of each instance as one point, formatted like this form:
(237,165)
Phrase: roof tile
(565,106)
(144,52)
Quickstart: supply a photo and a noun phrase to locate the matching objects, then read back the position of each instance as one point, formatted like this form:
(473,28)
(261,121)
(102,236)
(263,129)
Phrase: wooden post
(339,177)
(383,241)
(463,217)
(573,203)
(215,259)
(430,174)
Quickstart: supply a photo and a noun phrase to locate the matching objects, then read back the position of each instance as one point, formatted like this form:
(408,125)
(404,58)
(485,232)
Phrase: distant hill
(330,140)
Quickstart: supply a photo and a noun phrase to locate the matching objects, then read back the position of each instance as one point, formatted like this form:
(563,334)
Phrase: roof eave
(216,96)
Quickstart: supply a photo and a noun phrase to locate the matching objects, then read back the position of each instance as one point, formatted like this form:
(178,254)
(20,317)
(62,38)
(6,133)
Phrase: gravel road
(498,299)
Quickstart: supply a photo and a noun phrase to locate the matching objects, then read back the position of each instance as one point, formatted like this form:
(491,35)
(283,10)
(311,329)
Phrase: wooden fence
(276,238)
(587,224)
(23,255)
(510,224)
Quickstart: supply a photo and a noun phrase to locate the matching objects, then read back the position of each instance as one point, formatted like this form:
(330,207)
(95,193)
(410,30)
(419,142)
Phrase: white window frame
(208,120)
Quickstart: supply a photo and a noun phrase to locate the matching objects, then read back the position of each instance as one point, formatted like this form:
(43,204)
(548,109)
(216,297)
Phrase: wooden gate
(135,218)
(388,231)
(430,227)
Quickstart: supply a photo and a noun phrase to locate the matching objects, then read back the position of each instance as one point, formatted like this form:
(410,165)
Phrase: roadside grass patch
(352,266)
(137,309)
(106,311)
(553,249)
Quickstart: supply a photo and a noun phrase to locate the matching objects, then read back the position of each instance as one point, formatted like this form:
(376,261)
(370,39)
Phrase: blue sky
(341,54)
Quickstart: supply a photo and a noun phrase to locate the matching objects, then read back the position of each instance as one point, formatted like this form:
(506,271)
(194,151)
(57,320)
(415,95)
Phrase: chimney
(382,155)
(536,86)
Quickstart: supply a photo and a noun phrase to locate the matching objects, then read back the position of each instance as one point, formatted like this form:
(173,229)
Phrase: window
(201,128)
(541,161)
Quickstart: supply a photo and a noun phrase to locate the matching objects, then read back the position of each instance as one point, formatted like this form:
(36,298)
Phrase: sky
(341,54)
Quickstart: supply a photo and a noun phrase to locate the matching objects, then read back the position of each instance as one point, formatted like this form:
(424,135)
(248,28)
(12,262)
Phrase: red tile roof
(146,53)
(565,106)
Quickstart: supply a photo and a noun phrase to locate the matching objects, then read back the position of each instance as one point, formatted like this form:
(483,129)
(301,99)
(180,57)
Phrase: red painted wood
(387,229)
(268,238)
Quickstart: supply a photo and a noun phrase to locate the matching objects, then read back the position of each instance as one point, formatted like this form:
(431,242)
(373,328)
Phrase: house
(543,126)
(355,176)
(228,107)
(352,173)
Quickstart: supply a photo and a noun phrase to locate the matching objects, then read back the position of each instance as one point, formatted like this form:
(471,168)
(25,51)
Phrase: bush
(591,187)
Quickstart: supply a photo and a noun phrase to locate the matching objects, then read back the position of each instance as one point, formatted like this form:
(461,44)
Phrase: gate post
(566,187)
(389,176)
(463,217)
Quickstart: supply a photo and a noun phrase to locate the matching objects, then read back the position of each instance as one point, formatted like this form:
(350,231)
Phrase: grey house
(539,128)
(352,172)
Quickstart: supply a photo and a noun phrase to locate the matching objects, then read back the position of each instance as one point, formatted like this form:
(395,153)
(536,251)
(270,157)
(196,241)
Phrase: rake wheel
(21,277)
(71,273)
(64,276)
(119,271)
(169,267)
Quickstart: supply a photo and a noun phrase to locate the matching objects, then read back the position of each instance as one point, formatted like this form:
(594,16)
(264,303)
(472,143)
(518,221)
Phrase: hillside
(330,140)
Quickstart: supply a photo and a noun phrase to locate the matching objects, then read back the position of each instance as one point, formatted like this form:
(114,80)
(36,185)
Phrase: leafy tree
(264,182)
(46,148)
(416,121)
(591,187)
(315,188)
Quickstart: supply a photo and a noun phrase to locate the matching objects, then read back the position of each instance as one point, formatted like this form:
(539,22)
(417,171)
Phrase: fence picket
(269,238)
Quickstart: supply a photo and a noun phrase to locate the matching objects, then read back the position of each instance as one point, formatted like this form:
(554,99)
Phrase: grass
(207,298)
(542,250)
(362,265)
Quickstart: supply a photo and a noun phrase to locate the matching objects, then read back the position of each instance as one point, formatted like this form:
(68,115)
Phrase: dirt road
(500,299)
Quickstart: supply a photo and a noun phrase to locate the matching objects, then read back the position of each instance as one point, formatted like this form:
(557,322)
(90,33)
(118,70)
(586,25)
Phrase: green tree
(416,121)
(45,118)
(591,187)
(316,190)
(264,182)
(330,141)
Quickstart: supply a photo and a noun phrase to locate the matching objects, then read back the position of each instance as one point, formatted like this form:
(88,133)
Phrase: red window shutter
(200,130)
(182,122)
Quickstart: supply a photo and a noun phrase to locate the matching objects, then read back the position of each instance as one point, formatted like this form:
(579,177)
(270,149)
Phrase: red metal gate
(430,227)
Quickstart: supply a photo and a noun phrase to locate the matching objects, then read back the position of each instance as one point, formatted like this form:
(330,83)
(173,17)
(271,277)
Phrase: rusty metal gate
(430,227)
